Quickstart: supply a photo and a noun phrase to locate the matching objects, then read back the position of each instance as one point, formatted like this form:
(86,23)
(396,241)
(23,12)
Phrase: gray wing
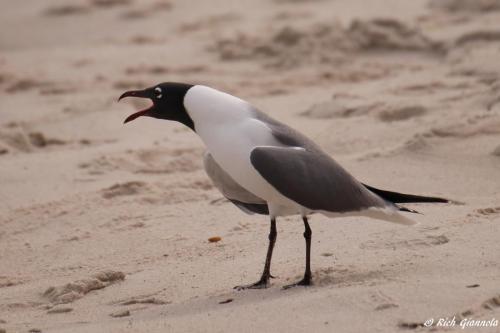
(230,189)
(312,179)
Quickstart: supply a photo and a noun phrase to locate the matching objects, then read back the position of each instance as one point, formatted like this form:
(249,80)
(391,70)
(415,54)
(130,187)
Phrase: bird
(265,167)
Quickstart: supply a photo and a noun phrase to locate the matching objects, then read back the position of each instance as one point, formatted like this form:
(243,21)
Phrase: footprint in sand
(22,85)
(72,291)
(144,39)
(120,313)
(109,3)
(177,193)
(146,11)
(391,35)
(386,113)
(325,44)
(295,1)
(59,309)
(83,8)
(489,211)
(467,6)
(128,84)
(491,303)
(410,243)
(159,193)
(336,109)
(147,70)
(124,189)
(147,161)
(471,129)
(162,70)
(6,281)
(43,87)
(478,36)
(343,277)
(402,113)
(208,23)
(67,9)
(39,140)
(496,151)
(17,140)
(142,300)
(474,312)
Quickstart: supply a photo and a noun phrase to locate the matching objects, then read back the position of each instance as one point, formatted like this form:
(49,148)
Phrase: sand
(106,227)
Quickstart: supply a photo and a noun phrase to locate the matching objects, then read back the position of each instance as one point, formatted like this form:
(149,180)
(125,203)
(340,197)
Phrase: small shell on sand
(214,239)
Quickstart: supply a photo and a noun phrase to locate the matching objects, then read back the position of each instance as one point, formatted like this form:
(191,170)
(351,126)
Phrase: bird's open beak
(141,94)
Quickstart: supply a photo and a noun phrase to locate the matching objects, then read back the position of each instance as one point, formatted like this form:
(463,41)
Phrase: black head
(168,102)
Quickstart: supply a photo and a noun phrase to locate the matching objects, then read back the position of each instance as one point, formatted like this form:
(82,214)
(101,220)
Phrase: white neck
(207,106)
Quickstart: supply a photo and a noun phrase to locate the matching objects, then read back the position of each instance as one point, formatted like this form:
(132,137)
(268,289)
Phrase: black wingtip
(408,210)
(251,208)
(396,197)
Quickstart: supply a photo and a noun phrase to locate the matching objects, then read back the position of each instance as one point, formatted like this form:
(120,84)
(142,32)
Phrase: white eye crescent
(158,92)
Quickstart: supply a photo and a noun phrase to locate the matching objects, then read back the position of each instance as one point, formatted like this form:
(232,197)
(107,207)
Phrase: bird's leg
(266,274)
(307,280)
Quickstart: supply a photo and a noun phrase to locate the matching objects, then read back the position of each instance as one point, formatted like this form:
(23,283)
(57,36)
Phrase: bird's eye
(158,92)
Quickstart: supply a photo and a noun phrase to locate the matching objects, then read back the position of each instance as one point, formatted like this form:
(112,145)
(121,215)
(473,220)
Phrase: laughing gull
(263,166)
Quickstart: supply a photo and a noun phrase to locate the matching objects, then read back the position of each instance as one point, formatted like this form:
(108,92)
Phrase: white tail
(388,214)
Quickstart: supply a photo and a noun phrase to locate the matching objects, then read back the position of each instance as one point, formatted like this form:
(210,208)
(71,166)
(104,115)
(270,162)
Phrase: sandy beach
(104,227)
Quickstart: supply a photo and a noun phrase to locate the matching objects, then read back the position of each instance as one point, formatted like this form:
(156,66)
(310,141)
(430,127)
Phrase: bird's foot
(261,284)
(306,281)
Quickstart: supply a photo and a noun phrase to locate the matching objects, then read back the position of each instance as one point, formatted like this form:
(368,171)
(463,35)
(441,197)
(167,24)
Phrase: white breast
(227,127)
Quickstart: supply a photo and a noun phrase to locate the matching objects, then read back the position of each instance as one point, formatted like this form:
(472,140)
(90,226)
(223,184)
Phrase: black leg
(307,280)
(266,274)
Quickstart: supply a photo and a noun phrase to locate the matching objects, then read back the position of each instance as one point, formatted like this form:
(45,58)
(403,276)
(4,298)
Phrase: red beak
(136,93)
